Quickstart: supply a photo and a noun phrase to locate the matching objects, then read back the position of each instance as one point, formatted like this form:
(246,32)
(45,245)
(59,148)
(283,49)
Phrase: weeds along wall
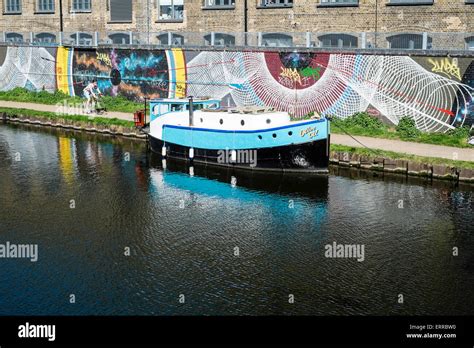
(437,92)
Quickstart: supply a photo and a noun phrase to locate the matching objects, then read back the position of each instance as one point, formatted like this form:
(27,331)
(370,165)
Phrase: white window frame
(86,10)
(41,10)
(6,7)
(173,6)
(218,4)
(275,3)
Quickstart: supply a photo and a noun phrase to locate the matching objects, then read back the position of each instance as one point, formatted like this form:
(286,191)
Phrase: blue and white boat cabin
(200,126)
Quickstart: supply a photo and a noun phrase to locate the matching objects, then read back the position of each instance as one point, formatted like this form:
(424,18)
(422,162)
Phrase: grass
(366,125)
(103,121)
(402,156)
(119,104)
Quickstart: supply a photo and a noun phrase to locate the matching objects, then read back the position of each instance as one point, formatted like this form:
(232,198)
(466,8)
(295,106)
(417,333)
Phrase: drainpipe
(246,24)
(376,20)
(61,25)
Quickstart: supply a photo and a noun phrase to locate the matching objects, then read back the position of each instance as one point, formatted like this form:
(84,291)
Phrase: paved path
(419,149)
(54,108)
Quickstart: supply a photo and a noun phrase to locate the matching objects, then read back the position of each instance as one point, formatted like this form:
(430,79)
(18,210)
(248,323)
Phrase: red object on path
(139,118)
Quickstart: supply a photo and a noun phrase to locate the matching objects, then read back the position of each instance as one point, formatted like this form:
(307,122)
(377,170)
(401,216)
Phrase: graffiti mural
(436,92)
(28,67)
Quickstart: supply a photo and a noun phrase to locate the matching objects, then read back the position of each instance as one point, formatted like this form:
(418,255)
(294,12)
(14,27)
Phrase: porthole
(269,121)
(242,122)
(260,137)
(290,133)
(274,135)
(221,121)
(202,120)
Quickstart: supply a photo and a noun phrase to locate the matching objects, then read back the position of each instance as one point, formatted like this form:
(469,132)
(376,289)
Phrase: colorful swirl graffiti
(437,92)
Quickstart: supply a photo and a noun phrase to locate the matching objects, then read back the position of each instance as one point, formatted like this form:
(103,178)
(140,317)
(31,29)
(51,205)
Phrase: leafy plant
(406,128)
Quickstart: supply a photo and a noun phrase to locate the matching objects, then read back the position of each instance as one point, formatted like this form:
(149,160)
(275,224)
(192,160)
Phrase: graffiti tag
(315,73)
(104,58)
(312,132)
(285,81)
(291,74)
(446,67)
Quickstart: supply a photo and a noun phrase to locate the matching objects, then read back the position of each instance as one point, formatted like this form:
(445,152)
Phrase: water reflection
(183,227)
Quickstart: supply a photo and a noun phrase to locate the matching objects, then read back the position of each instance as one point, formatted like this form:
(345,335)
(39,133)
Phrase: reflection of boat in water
(250,138)
(222,181)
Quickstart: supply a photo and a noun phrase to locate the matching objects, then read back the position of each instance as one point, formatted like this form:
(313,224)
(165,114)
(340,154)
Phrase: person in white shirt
(91,93)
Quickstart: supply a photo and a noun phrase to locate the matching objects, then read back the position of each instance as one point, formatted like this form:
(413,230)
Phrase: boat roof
(182,100)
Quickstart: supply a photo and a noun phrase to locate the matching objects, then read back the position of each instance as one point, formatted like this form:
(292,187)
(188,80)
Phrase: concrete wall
(436,91)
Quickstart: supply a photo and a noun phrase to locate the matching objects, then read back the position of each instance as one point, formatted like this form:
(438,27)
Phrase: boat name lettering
(312,132)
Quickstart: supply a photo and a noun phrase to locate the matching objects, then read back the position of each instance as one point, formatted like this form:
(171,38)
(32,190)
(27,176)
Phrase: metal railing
(328,40)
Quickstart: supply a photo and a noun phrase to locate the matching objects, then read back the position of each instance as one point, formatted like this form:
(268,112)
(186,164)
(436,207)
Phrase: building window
(408,41)
(13,37)
(120,38)
(276,3)
(45,38)
(218,4)
(470,43)
(220,39)
(337,41)
(170,39)
(82,39)
(81,5)
(121,11)
(12,6)
(170,10)
(277,40)
(410,2)
(46,6)
(335,3)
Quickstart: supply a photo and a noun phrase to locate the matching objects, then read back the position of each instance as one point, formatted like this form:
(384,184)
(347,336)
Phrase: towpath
(419,149)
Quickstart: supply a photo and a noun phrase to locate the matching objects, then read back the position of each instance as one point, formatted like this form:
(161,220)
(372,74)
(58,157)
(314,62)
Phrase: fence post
(308,39)
(170,38)
(96,38)
(31,37)
(213,38)
(130,34)
(425,41)
(61,38)
(363,40)
(259,42)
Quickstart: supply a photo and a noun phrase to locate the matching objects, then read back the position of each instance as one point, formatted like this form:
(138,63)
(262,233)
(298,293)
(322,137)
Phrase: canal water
(223,242)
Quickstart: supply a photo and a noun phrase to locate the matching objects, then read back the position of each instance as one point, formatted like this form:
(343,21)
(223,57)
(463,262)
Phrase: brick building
(320,23)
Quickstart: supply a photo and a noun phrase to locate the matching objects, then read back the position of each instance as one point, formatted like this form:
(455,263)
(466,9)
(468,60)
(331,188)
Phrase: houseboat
(255,138)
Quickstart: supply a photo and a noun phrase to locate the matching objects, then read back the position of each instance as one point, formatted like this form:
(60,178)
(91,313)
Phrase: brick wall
(305,15)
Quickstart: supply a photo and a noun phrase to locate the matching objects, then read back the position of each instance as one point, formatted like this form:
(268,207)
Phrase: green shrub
(460,132)
(406,128)
(364,120)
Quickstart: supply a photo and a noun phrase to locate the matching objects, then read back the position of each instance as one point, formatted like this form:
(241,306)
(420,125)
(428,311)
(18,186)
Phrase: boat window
(198,106)
(268,121)
(177,107)
(274,135)
(290,133)
(242,122)
(260,137)
(221,121)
